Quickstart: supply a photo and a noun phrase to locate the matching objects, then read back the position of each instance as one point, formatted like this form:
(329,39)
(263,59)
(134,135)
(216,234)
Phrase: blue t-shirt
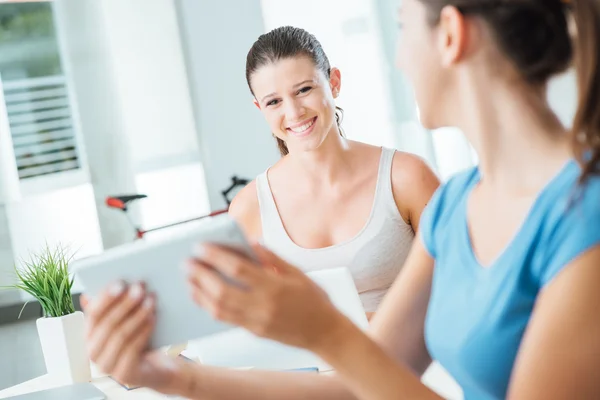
(477,315)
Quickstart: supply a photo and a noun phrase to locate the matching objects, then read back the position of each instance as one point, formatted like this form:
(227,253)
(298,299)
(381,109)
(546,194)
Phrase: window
(35,91)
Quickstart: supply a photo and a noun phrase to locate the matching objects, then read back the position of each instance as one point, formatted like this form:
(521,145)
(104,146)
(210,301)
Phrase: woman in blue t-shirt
(503,286)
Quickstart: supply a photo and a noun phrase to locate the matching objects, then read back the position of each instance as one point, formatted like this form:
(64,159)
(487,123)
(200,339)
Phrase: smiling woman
(295,106)
(329,202)
(267,49)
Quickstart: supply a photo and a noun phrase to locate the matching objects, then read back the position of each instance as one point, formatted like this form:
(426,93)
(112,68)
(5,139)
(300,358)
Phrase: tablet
(159,264)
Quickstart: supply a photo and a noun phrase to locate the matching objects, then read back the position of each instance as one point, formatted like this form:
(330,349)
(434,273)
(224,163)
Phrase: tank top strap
(272,227)
(385,194)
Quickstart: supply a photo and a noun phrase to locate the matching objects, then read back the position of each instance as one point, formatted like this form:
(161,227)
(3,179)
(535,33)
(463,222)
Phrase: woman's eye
(305,89)
(272,102)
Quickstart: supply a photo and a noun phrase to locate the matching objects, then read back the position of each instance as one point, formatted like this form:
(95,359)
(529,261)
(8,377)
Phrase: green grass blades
(46,277)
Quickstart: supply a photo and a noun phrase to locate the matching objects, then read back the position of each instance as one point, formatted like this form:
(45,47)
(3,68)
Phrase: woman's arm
(384,371)
(399,325)
(245,210)
(212,383)
(559,357)
(413,185)
(368,371)
(288,307)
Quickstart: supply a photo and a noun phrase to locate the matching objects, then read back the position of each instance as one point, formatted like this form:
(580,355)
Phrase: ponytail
(339,116)
(586,127)
(283,150)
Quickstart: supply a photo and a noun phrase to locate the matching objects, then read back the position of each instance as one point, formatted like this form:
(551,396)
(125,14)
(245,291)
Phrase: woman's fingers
(139,333)
(113,315)
(255,310)
(120,340)
(128,364)
(97,309)
(203,276)
(199,296)
(232,265)
(195,280)
(211,292)
(279,302)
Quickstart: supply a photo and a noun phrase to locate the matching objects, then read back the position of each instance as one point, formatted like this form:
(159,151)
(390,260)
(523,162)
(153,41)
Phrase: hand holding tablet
(159,265)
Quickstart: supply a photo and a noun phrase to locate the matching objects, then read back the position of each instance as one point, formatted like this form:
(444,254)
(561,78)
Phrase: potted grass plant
(47,278)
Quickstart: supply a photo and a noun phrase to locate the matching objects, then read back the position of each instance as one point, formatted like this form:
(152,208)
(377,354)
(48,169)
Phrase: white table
(436,378)
(108,386)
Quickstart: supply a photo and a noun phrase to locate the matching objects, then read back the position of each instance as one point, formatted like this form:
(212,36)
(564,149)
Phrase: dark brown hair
(283,43)
(535,36)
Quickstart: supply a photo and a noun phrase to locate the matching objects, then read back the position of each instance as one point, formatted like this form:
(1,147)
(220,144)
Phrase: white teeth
(304,127)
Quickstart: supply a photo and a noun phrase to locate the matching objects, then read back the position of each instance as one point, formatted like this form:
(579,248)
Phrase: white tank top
(374,256)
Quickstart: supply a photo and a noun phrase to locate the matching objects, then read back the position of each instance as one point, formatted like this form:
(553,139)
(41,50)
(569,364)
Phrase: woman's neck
(520,142)
(327,164)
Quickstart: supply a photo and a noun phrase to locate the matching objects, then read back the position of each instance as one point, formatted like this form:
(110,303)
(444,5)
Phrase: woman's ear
(335,81)
(453,30)
(256,104)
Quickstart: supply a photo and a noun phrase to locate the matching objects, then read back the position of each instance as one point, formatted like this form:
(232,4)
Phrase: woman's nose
(294,111)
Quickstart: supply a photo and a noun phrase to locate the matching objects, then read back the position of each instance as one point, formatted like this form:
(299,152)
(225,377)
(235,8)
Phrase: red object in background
(121,202)
(115,203)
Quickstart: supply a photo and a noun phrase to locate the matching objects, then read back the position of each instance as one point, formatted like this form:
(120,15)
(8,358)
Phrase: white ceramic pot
(63,345)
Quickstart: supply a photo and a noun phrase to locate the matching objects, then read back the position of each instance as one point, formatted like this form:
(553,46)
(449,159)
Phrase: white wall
(7,261)
(155,101)
(126,63)
(9,192)
(453,153)
(91,73)
(562,95)
(9,177)
(234,138)
(174,194)
(152,84)
(66,217)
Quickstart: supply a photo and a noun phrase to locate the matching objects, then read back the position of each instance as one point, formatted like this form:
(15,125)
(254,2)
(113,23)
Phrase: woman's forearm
(211,383)
(366,369)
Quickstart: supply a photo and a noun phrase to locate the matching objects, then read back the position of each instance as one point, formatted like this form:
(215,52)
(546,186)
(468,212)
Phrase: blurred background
(105,97)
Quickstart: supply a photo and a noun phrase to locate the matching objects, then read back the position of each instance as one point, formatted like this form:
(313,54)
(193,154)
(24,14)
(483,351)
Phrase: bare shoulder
(245,210)
(572,326)
(410,168)
(413,184)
